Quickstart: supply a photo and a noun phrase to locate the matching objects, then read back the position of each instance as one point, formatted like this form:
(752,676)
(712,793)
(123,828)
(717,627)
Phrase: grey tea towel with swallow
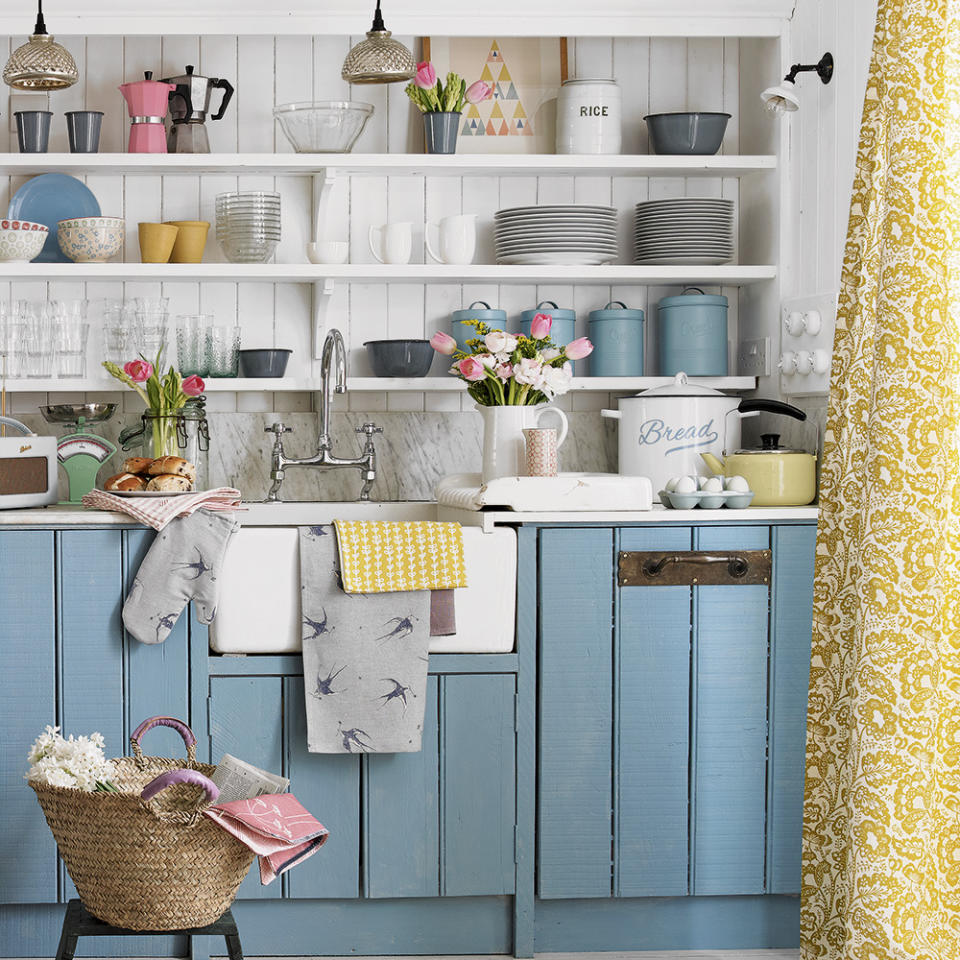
(364,658)
(182,564)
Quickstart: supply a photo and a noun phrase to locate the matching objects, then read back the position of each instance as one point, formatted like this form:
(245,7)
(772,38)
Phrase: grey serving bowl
(264,363)
(400,358)
(697,133)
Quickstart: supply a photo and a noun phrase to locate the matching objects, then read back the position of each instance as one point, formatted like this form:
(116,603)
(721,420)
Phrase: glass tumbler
(37,338)
(223,350)
(70,343)
(193,354)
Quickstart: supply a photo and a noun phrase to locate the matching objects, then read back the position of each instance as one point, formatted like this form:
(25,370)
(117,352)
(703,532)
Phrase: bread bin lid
(551,310)
(698,299)
(619,311)
(487,313)
(681,387)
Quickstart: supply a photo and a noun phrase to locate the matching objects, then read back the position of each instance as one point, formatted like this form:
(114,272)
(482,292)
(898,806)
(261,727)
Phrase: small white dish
(328,251)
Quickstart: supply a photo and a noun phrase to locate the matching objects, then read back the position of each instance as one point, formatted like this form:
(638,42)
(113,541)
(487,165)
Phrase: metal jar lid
(616,310)
(698,299)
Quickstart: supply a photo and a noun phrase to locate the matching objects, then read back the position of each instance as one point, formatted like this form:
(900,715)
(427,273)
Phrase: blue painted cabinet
(671,717)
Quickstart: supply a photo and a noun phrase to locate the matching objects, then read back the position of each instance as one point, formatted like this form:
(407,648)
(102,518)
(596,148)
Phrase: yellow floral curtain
(881,855)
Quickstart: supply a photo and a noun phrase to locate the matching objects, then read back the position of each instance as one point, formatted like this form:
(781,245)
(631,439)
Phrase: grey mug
(83,129)
(33,130)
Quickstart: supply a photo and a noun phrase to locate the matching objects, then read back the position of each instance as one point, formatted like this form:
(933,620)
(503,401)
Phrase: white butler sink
(259,607)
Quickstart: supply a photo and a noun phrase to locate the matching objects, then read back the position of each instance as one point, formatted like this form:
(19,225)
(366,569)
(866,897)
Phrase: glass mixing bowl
(327,126)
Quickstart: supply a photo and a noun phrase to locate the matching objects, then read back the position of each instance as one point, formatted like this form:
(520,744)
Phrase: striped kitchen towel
(380,556)
(157,512)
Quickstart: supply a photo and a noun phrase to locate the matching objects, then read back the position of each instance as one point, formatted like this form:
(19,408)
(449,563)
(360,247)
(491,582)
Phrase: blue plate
(48,199)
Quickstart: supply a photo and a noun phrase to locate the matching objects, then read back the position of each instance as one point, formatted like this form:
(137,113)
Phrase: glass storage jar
(184,433)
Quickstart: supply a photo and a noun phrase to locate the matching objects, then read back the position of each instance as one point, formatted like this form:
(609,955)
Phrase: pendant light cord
(41,27)
(377,20)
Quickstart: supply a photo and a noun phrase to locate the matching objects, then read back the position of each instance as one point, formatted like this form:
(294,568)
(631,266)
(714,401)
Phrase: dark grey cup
(400,358)
(83,129)
(264,363)
(686,133)
(33,130)
(441,131)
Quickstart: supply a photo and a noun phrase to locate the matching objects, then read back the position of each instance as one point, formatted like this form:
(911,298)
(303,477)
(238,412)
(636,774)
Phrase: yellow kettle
(777,477)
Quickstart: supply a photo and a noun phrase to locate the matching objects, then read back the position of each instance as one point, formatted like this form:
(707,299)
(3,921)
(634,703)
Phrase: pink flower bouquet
(429,95)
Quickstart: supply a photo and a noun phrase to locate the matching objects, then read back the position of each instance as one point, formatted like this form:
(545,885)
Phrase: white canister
(588,117)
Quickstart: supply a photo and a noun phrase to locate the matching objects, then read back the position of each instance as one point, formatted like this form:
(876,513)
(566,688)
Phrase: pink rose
(478,92)
(471,369)
(138,370)
(193,386)
(426,77)
(443,343)
(578,349)
(540,326)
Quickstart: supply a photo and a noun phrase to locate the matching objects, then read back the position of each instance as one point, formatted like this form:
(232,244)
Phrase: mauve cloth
(443,613)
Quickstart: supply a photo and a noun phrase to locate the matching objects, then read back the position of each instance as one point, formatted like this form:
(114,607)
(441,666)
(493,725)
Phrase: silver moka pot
(189,108)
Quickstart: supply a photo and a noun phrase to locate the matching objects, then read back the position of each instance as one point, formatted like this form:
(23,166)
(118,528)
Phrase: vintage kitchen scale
(80,453)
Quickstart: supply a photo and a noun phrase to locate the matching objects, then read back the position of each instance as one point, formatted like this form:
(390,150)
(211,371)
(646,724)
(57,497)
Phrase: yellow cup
(190,242)
(156,241)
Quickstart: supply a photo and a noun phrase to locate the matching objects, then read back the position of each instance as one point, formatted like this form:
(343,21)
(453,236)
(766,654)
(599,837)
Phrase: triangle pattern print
(494,118)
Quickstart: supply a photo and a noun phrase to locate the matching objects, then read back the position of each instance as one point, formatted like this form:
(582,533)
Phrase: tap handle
(369,429)
(278,429)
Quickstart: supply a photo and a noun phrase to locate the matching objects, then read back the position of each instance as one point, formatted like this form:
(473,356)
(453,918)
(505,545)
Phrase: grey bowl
(400,358)
(264,363)
(686,133)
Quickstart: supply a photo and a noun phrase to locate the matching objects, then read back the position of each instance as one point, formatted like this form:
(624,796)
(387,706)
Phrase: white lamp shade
(780,99)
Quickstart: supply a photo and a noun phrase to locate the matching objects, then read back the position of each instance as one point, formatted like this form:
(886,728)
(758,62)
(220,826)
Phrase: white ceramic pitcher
(504,446)
(392,242)
(456,238)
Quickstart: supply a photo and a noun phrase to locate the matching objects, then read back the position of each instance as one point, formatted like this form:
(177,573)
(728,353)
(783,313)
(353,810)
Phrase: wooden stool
(79,922)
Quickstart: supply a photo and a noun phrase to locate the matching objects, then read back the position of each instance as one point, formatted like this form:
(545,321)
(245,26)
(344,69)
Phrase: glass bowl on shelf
(323,126)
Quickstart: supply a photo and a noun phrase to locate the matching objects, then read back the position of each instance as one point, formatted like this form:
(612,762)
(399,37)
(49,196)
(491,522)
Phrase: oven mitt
(182,564)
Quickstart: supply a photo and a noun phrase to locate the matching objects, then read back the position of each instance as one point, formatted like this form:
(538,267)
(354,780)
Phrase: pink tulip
(471,369)
(540,326)
(443,343)
(578,349)
(426,77)
(478,92)
(138,370)
(193,386)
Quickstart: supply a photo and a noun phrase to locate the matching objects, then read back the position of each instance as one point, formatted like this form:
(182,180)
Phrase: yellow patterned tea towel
(380,556)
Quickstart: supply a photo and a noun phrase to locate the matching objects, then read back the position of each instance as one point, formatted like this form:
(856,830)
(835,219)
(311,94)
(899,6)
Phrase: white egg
(671,485)
(737,484)
(713,485)
(685,485)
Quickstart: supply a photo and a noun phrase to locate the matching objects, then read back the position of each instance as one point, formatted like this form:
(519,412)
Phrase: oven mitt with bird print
(182,564)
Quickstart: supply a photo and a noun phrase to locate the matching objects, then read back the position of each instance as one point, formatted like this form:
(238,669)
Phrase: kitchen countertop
(295,514)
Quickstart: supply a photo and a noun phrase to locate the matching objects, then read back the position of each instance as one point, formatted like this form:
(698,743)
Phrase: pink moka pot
(147,106)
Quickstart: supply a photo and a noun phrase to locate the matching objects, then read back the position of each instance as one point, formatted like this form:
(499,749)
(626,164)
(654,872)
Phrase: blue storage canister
(692,332)
(617,338)
(563,329)
(462,332)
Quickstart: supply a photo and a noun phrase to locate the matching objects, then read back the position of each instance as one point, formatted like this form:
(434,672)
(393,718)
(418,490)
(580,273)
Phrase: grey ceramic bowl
(264,363)
(400,358)
(686,133)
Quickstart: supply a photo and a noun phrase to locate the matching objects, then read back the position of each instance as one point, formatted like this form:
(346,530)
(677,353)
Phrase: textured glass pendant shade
(379,58)
(41,63)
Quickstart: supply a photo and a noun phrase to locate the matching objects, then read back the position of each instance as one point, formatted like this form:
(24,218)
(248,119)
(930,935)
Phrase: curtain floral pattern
(881,857)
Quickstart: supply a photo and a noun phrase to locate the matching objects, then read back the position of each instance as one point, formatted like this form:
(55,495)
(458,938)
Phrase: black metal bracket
(823,68)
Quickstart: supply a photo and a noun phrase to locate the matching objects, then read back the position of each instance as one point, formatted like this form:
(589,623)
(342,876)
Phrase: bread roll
(168,482)
(174,465)
(136,464)
(125,481)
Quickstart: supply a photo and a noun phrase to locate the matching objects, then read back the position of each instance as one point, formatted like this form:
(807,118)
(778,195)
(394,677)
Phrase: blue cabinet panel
(478,784)
(28,686)
(328,785)
(246,721)
(401,815)
(730,725)
(576,712)
(792,616)
(652,743)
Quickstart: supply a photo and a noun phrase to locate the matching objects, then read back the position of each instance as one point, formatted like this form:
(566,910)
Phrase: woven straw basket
(150,862)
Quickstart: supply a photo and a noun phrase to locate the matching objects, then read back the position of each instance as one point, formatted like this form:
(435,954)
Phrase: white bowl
(328,251)
(91,239)
(21,240)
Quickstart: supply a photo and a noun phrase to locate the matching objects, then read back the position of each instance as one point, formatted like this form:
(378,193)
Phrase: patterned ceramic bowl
(21,240)
(90,239)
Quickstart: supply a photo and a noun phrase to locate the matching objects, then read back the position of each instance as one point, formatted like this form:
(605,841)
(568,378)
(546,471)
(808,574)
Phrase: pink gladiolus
(540,326)
(193,386)
(443,343)
(138,371)
(578,349)
(478,92)
(426,77)
(471,369)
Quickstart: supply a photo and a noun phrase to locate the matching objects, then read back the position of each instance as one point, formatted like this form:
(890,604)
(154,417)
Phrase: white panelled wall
(656,74)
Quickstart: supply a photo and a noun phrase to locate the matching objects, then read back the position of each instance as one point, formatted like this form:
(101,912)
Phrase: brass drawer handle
(655,568)
(737,565)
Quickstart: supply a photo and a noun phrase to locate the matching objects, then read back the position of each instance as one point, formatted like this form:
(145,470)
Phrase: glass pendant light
(379,58)
(41,63)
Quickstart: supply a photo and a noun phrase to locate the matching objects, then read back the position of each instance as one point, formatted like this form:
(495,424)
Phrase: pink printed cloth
(157,512)
(275,826)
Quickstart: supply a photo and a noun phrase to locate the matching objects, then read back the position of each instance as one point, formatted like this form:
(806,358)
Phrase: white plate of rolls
(146,477)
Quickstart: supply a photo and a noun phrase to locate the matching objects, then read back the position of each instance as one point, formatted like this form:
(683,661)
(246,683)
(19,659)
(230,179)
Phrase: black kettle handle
(763,405)
(227,87)
(183,92)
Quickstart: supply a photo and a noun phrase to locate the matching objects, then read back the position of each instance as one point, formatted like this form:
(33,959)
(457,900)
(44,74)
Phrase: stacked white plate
(573,233)
(248,225)
(683,230)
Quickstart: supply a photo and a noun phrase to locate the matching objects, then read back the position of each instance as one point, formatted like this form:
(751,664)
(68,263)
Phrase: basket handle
(189,740)
(172,777)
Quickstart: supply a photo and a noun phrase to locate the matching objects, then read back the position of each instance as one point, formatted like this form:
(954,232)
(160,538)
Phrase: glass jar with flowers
(442,104)
(512,378)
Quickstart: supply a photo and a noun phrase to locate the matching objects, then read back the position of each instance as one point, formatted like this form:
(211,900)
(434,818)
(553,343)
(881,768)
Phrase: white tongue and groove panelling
(656,75)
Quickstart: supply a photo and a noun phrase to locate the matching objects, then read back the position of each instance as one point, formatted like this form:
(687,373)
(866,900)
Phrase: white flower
(488,361)
(74,762)
(556,380)
(498,341)
(529,371)
(551,354)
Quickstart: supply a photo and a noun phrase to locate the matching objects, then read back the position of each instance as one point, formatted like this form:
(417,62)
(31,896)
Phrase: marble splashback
(414,451)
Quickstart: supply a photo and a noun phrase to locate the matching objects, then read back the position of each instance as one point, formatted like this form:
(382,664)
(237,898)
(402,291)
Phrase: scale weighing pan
(81,454)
